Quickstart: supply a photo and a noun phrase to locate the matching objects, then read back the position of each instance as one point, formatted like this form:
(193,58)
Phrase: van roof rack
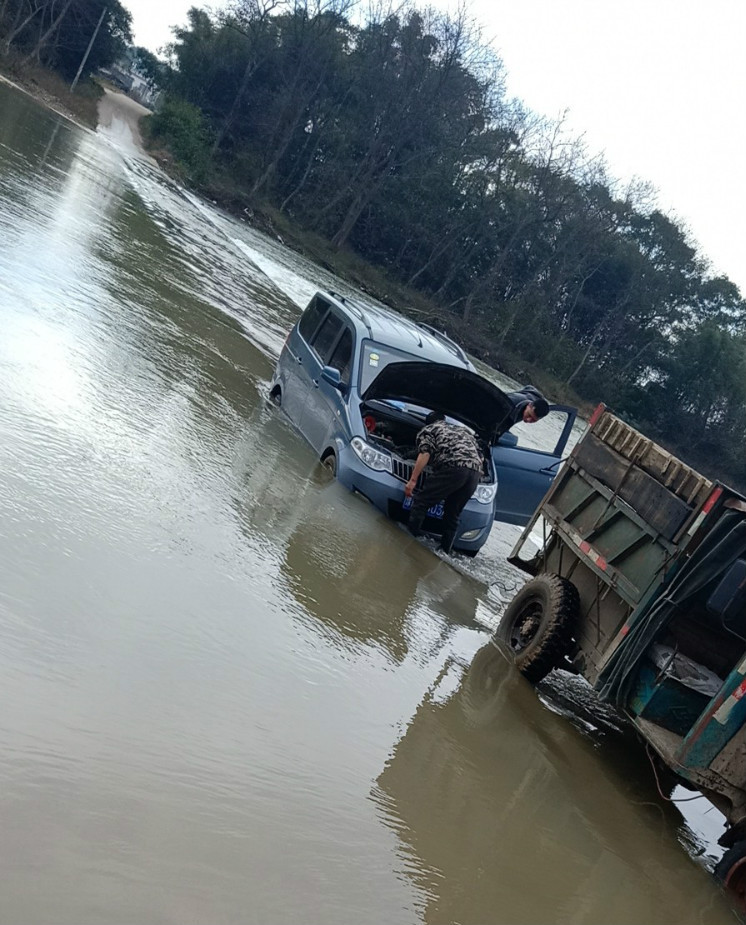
(353,307)
(337,296)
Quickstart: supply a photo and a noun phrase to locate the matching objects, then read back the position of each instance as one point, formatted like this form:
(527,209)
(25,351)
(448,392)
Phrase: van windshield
(377,356)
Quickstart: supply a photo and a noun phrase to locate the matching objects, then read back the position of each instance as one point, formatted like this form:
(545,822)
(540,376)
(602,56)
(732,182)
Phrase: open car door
(525,467)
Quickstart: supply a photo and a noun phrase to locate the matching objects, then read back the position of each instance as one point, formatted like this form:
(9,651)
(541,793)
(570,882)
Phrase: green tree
(151,67)
(183,128)
(56,33)
(703,397)
(390,133)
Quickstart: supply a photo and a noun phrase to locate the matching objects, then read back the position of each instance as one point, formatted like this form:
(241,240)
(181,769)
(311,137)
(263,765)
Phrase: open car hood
(457,392)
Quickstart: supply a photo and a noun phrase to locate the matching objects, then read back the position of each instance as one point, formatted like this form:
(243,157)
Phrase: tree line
(56,33)
(389,132)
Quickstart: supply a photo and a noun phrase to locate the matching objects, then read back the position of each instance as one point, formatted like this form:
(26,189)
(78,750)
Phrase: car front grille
(402,469)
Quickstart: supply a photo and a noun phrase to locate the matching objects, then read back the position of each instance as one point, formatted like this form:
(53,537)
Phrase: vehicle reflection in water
(500,803)
(365,581)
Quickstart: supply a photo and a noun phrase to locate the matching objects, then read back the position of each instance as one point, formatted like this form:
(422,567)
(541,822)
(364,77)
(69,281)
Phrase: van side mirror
(508,439)
(331,375)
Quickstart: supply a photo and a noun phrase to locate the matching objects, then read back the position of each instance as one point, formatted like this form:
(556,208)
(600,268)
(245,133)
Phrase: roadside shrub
(181,127)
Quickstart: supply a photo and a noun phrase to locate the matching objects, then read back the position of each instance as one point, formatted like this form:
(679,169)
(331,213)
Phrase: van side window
(326,336)
(311,318)
(341,359)
(543,433)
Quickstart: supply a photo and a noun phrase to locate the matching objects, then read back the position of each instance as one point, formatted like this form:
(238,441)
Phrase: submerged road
(232,692)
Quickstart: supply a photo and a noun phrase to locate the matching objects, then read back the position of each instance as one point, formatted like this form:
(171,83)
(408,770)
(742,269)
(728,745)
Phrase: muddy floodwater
(231,691)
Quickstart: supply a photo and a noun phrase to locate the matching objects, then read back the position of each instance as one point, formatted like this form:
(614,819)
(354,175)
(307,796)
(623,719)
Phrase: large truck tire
(538,623)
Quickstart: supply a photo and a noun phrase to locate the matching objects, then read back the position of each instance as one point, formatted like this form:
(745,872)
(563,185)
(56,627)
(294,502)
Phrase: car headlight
(485,494)
(369,455)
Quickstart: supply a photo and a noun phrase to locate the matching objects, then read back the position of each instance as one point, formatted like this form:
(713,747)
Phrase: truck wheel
(485,686)
(731,872)
(537,625)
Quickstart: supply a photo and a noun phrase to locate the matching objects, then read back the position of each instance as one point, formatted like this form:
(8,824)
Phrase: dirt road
(118,118)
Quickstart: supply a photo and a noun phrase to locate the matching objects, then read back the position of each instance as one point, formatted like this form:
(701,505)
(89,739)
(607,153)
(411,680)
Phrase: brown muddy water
(231,691)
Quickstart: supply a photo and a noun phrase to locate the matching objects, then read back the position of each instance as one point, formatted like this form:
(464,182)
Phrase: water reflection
(364,580)
(209,651)
(500,804)
(30,137)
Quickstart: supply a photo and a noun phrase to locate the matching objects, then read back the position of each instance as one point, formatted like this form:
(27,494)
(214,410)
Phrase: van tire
(275,396)
(329,462)
(537,625)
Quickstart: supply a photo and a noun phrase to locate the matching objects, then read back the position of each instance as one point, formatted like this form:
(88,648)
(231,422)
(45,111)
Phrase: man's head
(535,410)
(435,416)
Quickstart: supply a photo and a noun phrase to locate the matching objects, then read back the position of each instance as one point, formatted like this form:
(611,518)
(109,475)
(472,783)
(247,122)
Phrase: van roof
(390,328)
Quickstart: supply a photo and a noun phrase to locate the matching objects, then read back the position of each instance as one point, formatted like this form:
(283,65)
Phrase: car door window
(326,337)
(341,359)
(544,434)
(311,319)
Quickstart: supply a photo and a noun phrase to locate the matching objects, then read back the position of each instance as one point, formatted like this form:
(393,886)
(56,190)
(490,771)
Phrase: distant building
(126,75)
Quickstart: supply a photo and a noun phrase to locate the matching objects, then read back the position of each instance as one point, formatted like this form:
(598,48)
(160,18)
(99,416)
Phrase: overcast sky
(659,86)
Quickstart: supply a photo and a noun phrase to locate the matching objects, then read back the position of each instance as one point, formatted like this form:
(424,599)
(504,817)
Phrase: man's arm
(422,460)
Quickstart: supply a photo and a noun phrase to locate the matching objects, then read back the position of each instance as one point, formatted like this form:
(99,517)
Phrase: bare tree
(25,13)
(249,17)
(50,11)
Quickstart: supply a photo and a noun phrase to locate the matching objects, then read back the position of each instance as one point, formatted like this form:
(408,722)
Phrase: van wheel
(329,462)
(731,872)
(537,625)
(275,396)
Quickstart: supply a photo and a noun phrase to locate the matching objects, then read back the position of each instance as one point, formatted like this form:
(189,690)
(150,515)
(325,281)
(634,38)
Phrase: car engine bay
(393,428)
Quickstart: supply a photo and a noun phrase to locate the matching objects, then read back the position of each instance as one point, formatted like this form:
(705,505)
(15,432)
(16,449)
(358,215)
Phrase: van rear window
(311,318)
(326,336)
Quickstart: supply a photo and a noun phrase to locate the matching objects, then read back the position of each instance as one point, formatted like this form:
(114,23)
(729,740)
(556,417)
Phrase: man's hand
(422,460)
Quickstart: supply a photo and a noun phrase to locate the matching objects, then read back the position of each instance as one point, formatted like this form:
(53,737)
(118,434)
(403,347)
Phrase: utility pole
(90,46)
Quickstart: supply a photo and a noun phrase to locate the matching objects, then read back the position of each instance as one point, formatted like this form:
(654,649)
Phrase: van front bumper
(386,493)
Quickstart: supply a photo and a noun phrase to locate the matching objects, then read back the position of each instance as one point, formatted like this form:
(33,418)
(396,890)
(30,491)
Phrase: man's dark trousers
(453,486)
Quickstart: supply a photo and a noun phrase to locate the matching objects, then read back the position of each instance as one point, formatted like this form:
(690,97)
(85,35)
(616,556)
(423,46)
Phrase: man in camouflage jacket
(455,467)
